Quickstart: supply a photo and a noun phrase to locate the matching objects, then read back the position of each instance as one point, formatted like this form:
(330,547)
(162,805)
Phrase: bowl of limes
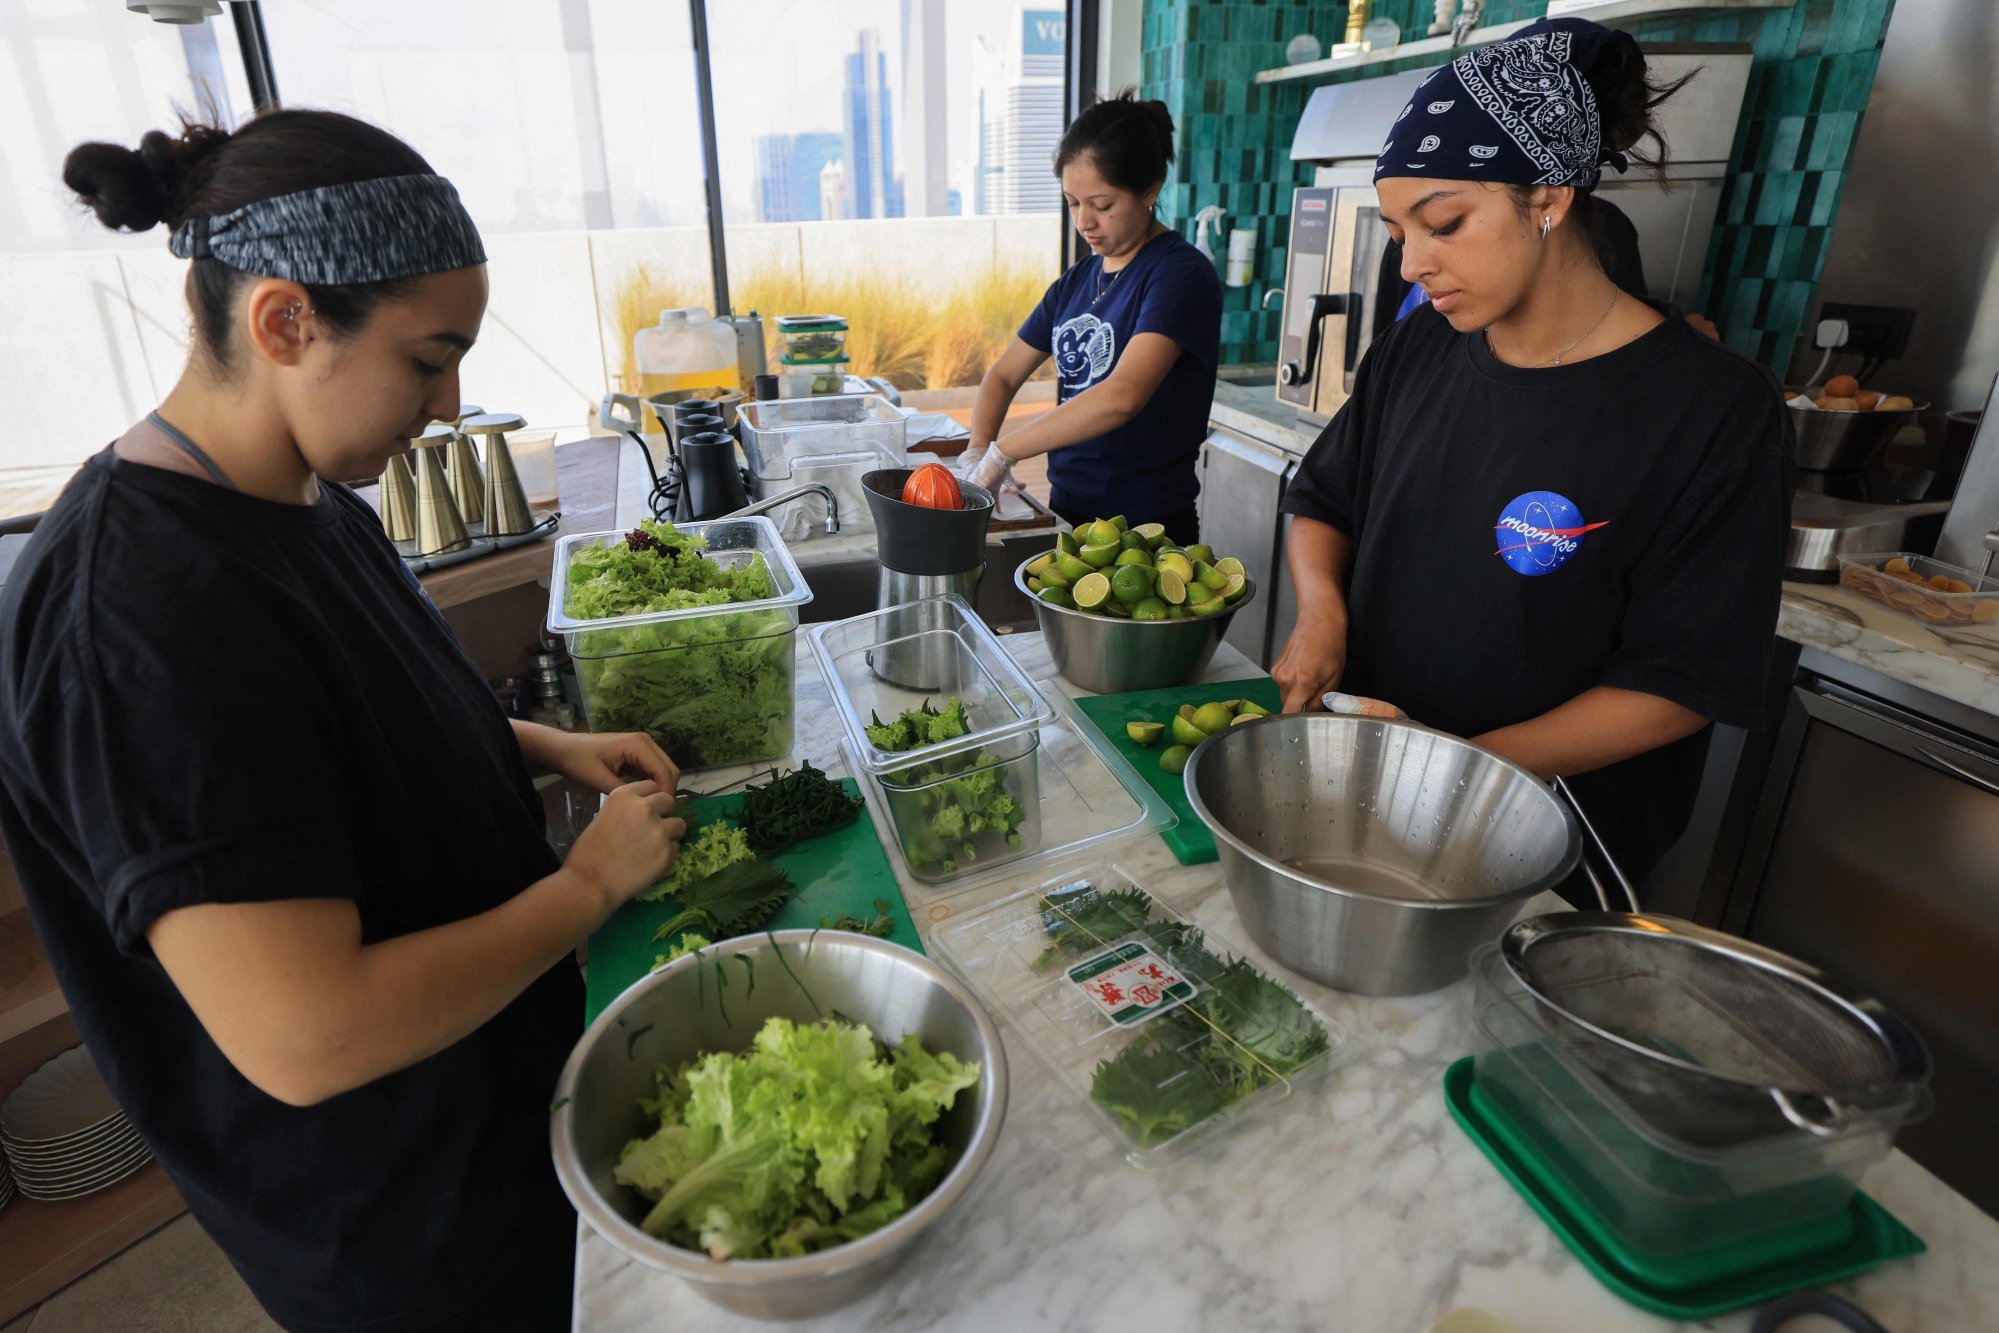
(1122,608)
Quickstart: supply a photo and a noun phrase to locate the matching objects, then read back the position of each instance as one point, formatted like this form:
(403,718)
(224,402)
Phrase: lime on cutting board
(1189,840)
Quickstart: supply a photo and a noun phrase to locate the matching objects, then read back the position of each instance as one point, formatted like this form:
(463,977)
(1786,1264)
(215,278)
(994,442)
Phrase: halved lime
(1251,708)
(1150,608)
(1145,733)
(1244,717)
(1115,609)
(1120,522)
(1039,563)
(1172,587)
(1033,584)
(1186,733)
(1212,717)
(1177,613)
(1176,562)
(1100,555)
(1228,564)
(1066,541)
(1233,590)
(1186,711)
(1174,759)
(1131,557)
(1210,578)
(1202,551)
(1091,591)
(1131,541)
(1058,597)
(1153,534)
(1053,577)
(1208,608)
(1103,532)
(1072,567)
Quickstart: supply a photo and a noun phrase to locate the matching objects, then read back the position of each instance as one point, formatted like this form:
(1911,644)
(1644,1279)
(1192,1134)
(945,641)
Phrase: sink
(846,586)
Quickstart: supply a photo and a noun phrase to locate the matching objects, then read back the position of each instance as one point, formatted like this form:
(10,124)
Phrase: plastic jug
(687,349)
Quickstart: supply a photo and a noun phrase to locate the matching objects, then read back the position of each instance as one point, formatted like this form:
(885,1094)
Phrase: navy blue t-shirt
(1144,469)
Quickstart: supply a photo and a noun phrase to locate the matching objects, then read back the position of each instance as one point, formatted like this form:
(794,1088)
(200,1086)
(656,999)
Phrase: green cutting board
(1189,840)
(839,873)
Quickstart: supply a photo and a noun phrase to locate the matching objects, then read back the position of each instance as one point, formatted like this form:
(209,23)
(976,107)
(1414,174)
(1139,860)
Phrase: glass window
(897,171)
(89,343)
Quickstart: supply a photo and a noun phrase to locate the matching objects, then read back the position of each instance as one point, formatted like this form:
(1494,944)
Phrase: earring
(1546,223)
(291,311)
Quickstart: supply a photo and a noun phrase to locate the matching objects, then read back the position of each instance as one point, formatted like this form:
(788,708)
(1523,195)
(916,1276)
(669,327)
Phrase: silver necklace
(1556,359)
(1107,286)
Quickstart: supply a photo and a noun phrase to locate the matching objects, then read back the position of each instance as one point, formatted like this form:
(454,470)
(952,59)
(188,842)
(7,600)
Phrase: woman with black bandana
(276,834)
(1551,518)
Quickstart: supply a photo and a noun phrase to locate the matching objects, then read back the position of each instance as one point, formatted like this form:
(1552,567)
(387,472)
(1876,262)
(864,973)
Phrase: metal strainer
(1711,1039)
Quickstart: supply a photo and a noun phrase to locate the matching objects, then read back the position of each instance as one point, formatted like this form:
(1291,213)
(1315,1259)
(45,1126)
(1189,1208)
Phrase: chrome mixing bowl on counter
(680,1012)
(1374,855)
(1106,655)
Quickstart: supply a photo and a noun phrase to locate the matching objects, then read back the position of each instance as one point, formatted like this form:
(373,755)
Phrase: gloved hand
(988,469)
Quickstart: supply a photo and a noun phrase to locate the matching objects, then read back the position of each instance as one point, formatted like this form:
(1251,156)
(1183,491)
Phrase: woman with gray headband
(277,836)
(1551,518)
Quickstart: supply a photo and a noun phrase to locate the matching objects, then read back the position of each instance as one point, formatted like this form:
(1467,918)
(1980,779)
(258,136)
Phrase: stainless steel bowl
(1846,441)
(1106,655)
(1375,855)
(681,1011)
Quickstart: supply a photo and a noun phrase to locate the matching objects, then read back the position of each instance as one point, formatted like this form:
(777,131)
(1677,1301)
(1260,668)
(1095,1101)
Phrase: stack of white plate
(6,1181)
(63,1136)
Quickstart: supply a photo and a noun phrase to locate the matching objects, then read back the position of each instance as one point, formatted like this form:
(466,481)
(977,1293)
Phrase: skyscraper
(1020,118)
(925,124)
(869,142)
(788,167)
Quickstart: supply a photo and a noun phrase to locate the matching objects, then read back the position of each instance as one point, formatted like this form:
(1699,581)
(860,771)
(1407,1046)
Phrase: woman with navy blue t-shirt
(1134,330)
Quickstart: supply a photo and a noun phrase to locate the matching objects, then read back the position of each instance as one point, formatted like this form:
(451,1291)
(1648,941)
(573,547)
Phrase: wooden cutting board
(841,873)
(1189,840)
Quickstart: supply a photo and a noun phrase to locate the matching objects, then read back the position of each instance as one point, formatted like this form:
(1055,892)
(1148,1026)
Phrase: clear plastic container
(1156,1024)
(887,662)
(811,340)
(714,685)
(821,381)
(687,349)
(778,434)
(1949,598)
(1089,799)
(1661,1196)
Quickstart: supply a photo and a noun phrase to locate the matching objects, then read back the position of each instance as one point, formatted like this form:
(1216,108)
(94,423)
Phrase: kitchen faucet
(796,492)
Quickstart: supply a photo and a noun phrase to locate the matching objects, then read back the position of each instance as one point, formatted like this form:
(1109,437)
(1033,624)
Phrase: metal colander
(1711,1039)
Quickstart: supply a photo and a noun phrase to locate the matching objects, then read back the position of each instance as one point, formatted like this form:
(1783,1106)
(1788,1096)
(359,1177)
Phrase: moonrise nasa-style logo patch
(1539,530)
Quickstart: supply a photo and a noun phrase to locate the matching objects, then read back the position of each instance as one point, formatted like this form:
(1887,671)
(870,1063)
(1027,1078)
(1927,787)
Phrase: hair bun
(1162,121)
(136,190)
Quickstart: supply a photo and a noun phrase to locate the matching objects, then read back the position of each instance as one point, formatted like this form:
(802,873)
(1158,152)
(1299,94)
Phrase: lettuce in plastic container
(711,690)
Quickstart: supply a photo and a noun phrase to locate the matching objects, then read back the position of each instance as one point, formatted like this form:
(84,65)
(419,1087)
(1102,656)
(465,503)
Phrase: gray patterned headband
(365,231)
(1520,112)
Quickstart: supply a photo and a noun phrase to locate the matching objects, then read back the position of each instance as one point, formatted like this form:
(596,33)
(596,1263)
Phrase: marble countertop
(1357,1206)
(1960,666)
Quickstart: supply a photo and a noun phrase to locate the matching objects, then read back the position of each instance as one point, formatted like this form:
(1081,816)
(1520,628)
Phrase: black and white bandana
(365,231)
(1518,112)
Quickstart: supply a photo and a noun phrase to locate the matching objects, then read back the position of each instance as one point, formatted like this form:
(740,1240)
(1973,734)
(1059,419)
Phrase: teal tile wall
(1813,70)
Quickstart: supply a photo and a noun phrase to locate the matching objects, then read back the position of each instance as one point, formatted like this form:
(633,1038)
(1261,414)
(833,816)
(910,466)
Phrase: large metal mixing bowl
(683,1011)
(1106,655)
(1831,441)
(1375,855)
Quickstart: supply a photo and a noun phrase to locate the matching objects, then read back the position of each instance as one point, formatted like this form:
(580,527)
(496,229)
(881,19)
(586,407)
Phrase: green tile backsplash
(1814,66)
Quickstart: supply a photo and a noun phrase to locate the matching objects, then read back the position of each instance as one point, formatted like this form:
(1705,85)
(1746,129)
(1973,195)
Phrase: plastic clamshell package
(1006,952)
(1974,613)
(1088,798)
(715,685)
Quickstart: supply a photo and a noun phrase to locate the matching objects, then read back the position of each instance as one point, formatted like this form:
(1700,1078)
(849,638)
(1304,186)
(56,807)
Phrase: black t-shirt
(1522,536)
(211,698)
